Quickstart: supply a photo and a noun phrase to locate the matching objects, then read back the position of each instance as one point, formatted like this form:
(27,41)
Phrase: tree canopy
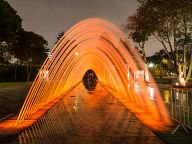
(10,22)
(59,36)
(29,48)
(25,46)
(169,21)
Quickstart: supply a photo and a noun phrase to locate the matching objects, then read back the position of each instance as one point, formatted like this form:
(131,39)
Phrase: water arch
(98,45)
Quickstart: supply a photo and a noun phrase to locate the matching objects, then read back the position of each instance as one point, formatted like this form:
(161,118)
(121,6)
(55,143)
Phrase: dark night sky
(50,17)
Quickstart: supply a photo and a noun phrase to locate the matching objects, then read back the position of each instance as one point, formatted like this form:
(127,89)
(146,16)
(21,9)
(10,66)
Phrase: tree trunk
(29,69)
(181,78)
(15,76)
(174,53)
(190,68)
(184,62)
(143,52)
(184,75)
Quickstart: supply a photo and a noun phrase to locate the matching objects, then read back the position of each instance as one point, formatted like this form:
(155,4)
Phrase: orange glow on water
(9,127)
(98,45)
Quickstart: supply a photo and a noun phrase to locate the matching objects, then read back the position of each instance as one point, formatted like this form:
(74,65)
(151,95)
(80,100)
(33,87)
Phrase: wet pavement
(88,117)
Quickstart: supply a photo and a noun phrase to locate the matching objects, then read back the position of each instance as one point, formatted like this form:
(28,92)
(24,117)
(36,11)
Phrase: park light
(176,83)
(151,64)
(50,56)
(164,61)
(77,53)
(46,73)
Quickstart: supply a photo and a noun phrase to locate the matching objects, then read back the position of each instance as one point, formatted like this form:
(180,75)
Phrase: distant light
(46,74)
(151,65)
(77,53)
(176,83)
(50,56)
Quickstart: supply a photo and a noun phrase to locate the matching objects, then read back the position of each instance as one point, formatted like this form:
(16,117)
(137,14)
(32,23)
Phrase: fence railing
(181,108)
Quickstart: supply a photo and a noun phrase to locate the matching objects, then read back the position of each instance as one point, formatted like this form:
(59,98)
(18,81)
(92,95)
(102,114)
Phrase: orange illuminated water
(98,45)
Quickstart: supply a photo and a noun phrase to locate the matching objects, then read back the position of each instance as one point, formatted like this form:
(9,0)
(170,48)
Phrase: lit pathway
(88,118)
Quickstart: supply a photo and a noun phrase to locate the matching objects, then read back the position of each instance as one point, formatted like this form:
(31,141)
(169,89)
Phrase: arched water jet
(98,45)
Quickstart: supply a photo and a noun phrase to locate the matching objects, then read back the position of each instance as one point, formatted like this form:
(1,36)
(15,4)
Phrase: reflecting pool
(88,117)
(90,114)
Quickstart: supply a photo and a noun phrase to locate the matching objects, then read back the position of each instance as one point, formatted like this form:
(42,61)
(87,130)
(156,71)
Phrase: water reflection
(150,90)
(166,96)
(83,117)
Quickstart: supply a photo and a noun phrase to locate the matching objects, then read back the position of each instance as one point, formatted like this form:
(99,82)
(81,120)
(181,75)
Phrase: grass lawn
(12,95)
(163,80)
(12,84)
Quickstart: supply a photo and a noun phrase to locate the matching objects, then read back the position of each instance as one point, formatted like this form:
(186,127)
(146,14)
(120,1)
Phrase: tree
(30,49)
(27,47)
(136,31)
(169,21)
(60,36)
(161,62)
(10,24)
(4,58)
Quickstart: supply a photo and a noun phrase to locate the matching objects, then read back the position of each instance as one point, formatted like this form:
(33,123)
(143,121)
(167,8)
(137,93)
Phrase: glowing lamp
(77,53)
(151,65)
